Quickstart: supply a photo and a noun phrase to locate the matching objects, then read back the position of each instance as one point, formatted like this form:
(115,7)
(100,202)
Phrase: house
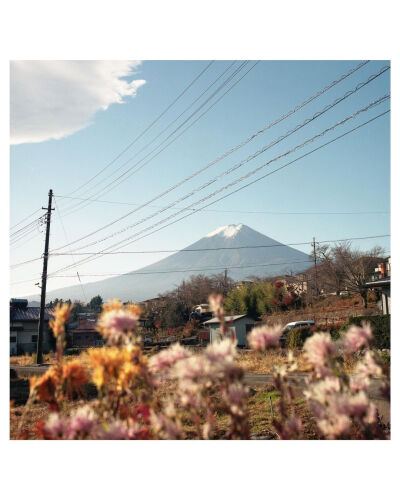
(239,326)
(24,324)
(380,282)
(85,334)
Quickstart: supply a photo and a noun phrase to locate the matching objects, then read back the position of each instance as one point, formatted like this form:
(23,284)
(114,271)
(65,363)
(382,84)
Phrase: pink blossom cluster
(164,360)
(318,348)
(262,337)
(78,425)
(357,337)
(117,325)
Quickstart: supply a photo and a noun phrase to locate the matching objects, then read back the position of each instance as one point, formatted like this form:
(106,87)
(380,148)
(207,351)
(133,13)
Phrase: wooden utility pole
(226,282)
(39,355)
(315,267)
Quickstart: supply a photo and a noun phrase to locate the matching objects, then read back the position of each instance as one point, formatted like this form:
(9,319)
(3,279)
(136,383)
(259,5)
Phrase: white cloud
(53,99)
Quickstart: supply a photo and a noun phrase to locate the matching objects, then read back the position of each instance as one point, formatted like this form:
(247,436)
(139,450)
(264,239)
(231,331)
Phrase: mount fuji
(229,247)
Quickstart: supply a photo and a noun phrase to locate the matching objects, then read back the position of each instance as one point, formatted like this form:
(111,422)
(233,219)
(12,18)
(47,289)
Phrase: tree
(340,267)
(95,303)
(357,266)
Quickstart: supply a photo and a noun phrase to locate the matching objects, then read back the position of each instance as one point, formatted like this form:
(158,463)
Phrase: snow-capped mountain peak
(228,231)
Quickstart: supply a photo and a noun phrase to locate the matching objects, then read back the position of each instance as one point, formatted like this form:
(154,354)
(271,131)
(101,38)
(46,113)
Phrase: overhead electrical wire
(222,248)
(297,108)
(121,179)
(72,257)
(372,104)
(217,178)
(356,68)
(270,212)
(249,158)
(147,128)
(340,240)
(169,125)
(203,249)
(25,218)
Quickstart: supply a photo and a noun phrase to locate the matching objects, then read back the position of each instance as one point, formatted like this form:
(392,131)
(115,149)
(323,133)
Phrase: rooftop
(29,313)
(228,319)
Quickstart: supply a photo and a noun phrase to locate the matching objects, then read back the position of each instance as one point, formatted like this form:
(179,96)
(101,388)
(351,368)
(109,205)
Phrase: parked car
(290,326)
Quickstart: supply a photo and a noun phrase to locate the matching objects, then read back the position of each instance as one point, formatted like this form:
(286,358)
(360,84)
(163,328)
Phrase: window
(13,340)
(34,338)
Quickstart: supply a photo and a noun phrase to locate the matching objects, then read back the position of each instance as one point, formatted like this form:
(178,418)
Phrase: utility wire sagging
(299,146)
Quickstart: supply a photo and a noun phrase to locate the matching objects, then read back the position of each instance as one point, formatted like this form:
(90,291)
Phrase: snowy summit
(227,231)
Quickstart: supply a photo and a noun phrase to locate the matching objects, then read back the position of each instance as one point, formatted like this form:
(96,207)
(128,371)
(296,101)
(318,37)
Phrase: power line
(121,179)
(230,170)
(72,257)
(189,270)
(220,248)
(377,101)
(24,219)
(250,183)
(297,108)
(270,212)
(148,127)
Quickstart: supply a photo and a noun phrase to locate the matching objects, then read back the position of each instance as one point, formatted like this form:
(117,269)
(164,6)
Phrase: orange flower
(75,374)
(45,386)
(61,314)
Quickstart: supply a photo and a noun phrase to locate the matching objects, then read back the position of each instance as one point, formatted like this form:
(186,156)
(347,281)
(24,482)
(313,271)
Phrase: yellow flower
(112,365)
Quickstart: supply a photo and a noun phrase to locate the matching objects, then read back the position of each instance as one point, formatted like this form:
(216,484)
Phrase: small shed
(240,326)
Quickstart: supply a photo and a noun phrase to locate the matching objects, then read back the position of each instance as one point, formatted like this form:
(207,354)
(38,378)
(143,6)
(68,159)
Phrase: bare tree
(357,266)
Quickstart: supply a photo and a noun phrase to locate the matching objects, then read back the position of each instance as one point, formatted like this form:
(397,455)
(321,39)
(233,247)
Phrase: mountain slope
(209,255)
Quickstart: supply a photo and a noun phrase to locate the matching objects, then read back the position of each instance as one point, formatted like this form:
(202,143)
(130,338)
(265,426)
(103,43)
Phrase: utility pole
(315,267)
(226,282)
(39,356)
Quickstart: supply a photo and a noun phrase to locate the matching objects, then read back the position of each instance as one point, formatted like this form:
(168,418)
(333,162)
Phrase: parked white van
(291,326)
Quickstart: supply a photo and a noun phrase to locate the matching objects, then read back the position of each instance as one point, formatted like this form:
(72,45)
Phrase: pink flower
(265,336)
(335,427)
(116,323)
(165,427)
(81,422)
(368,366)
(236,397)
(357,337)
(119,430)
(318,348)
(216,304)
(55,427)
(167,358)
(221,351)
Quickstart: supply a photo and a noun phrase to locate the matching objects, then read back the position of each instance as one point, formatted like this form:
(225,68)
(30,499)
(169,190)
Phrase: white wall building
(240,326)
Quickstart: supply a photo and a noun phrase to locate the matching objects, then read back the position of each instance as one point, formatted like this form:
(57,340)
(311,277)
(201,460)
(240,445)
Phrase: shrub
(298,336)
(380,326)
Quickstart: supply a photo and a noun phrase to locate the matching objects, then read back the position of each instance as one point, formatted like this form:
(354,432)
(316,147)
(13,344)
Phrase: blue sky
(350,175)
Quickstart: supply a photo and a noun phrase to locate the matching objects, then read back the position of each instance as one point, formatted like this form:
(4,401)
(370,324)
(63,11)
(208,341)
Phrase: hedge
(298,336)
(380,328)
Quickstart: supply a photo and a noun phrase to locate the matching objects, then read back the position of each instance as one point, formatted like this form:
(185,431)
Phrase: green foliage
(95,303)
(298,336)
(34,358)
(259,298)
(380,327)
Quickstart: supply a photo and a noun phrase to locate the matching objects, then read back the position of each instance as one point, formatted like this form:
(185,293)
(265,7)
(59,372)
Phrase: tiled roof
(29,313)
(228,319)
